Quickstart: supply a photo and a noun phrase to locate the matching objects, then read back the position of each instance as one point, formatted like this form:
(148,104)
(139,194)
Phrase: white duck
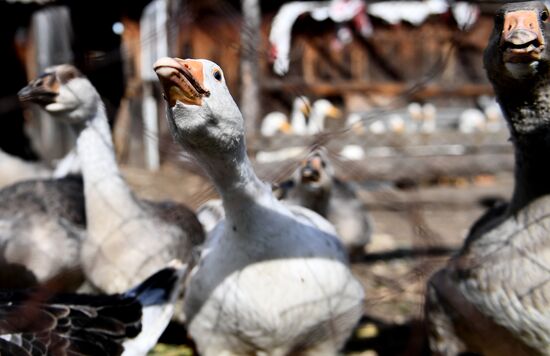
(127,238)
(272,279)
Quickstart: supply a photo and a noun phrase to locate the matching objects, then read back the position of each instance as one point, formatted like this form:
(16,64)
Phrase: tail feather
(35,322)
(158,295)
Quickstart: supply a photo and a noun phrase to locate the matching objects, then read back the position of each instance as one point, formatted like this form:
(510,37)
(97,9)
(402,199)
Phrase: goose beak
(43,90)
(334,113)
(285,128)
(522,40)
(182,80)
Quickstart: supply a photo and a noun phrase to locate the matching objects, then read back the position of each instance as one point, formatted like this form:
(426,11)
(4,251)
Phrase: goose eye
(544,15)
(218,75)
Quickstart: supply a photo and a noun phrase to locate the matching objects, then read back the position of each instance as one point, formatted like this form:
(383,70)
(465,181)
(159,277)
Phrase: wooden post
(250,68)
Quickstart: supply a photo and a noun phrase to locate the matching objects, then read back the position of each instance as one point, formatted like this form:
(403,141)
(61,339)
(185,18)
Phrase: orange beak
(522,38)
(182,80)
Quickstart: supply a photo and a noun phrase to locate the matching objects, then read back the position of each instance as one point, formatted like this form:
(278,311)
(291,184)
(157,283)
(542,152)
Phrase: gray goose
(493,297)
(42,226)
(315,186)
(127,238)
(272,279)
(40,322)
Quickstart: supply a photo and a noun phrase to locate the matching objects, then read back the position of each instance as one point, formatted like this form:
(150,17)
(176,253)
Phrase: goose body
(38,219)
(14,169)
(492,298)
(127,238)
(272,279)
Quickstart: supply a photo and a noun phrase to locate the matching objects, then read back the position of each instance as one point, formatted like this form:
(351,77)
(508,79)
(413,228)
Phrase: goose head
(64,92)
(517,49)
(315,172)
(202,114)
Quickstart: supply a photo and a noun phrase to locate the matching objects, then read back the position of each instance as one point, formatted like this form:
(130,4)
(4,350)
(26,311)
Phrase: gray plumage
(493,298)
(42,224)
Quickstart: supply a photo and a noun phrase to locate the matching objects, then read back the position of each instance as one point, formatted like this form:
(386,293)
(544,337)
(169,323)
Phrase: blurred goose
(274,123)
(37,322)
(314,186)
(14,169)
(339,11)
(271,279)
(127,238)
(301,109)
(493,297)
(321,110)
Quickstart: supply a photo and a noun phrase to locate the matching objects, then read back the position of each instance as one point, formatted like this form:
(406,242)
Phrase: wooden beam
(388,89)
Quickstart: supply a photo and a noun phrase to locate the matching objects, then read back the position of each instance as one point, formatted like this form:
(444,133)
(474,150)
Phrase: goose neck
(528,116)
(103,183)
(234,178)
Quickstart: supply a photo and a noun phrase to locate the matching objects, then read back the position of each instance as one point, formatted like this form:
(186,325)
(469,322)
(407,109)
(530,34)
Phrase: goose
(39,218)
(492,298)
(320,110)
(40,322)
(339,11)
(314,186)
(471,120)
(301,109)
(271,279)
(14,169)
(494,121)
(127,238)
(274,123)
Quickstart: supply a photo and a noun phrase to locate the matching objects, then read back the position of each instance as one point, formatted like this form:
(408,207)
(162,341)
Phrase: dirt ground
(415,232)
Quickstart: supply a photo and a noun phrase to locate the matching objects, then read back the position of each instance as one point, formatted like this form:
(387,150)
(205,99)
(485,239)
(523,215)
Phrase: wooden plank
(388,89)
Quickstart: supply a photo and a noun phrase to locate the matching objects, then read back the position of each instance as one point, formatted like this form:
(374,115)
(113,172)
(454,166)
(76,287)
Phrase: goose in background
(127,238)
(493,297)
(339,11)
(40,322)
(320,111)
(271,278)
(494,120)
(422,117)
(429,117)
(14,169)
(354,121)
(471,120)
(301,109)
(275,123)
(315,186)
